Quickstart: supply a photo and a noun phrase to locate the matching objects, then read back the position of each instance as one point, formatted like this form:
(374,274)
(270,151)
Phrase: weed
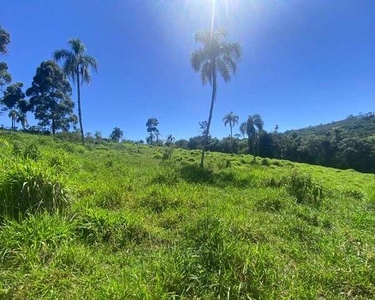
(304,188)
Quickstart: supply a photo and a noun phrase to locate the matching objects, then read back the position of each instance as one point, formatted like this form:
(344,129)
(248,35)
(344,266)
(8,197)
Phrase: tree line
(49,96)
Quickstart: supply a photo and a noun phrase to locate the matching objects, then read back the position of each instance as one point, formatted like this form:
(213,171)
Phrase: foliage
(14,101)
(252,128)
(349,146)
(304,188)
(4,40)
(28,189)
(116,134)
(173,230)
(5,77)
(152,124)
(50,97)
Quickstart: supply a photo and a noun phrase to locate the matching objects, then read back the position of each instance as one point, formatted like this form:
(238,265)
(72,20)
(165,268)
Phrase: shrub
(265,162)
(26,189)
(304,188)
(167,154)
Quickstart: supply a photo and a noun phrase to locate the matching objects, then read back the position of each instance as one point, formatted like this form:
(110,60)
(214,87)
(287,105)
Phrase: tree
(215,56)
(4,40)
(5,77)
(170,140)
(22,118)
(77,65)
(152,124)
(252,127)
(14,101)
(98,135)
(13,116)
(116,134)
(50,97)
(232,120)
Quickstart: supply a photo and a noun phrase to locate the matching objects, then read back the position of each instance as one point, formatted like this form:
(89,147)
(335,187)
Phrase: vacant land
(124,221)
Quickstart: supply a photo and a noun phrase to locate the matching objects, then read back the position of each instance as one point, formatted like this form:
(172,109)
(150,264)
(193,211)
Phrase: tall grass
(27,188)
(145,227)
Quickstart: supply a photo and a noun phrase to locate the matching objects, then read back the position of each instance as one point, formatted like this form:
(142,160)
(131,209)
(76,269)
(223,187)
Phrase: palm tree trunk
(79,108)
(53,125)
(254,153)
(231,137)
(214,90)
(249,144)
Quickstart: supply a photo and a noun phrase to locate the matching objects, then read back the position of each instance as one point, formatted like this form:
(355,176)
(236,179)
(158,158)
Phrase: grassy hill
(123,221)
(361,126)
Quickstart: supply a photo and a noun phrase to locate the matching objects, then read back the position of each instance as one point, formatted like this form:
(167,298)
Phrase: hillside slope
(138,222)
(362,126)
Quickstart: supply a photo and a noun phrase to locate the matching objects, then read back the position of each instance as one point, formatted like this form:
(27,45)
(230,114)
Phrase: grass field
(124,221)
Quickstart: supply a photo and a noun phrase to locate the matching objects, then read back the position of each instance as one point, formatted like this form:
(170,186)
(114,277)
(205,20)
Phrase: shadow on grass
(195,174)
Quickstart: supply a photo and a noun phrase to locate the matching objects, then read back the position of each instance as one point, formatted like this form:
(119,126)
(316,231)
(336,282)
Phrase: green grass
(126,221)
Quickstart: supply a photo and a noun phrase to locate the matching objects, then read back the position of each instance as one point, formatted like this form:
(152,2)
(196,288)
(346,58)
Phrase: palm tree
(232,120)
(215,56)
(13,115)
(252,127)
(77,65)
(152,124)
(22,118)
(117,134)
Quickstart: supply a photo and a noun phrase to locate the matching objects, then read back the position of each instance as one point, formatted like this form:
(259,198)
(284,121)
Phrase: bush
(265,162)
(27,189)
(304,188)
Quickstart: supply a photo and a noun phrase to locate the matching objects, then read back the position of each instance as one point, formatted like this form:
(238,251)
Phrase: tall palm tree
(252,127)
(232,120)
(216,56)
(77,65)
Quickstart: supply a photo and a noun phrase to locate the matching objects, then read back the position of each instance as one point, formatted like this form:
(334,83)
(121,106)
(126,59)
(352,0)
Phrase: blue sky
(304,62)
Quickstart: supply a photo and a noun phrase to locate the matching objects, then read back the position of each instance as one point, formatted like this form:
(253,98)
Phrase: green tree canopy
(232,120)
(50,97)
(5,77)
(4,40)
(152,124)
(14,101)
(77,65)
(251,128)
(116,134)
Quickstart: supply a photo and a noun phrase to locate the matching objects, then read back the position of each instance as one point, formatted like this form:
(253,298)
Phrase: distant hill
(361,126)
